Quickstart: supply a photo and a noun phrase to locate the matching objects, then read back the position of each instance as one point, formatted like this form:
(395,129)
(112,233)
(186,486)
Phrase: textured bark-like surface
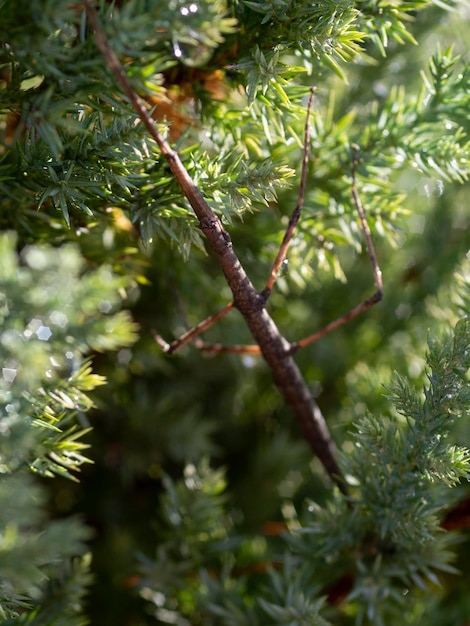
(275,349)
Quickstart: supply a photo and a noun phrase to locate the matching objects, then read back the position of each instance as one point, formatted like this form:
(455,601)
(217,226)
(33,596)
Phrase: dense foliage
(203,505)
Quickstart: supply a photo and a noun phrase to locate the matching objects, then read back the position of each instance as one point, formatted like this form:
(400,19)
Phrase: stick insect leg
(210,348)
(220,348)
(193,332)
(294,218)
(377,296)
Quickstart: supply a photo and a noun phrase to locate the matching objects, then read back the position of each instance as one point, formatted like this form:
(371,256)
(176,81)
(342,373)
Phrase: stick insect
(251,303)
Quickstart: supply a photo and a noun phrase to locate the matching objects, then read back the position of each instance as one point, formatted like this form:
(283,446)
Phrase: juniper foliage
(387,537)
(198,470)
(53,315)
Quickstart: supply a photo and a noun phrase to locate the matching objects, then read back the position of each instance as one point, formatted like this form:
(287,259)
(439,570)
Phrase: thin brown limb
(294,218)
(209,348)
(365,225)
(251,304)
(220,348)
(191,334)
(377,296)
(340,321)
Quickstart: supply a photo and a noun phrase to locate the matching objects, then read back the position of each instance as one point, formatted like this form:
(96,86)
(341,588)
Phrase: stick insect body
(275,349)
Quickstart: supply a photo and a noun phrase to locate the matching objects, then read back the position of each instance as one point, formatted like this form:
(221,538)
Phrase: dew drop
(44,333)
(105,306)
